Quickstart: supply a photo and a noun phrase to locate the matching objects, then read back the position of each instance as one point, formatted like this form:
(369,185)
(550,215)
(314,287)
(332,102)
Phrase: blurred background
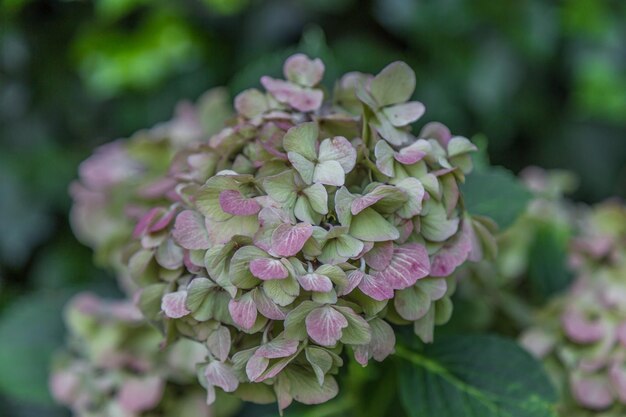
(543,81)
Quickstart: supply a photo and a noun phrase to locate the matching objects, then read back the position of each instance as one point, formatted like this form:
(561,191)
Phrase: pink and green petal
(301,70)
(251,103)
(380,346)
(221,375)
(375,288)
(379,257)
(324,325)
(288,240)
(338,149)
(267,268)
(243,311)
(278,348)
(315,282)
(137,395)
(593,392)
(190,230)
(173,304)
(580,329)
(233,202)
(329,173)
(404,114)
(409,263)
(219,343)
(266,306)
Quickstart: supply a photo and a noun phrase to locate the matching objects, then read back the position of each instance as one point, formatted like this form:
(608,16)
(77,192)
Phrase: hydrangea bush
(582,335)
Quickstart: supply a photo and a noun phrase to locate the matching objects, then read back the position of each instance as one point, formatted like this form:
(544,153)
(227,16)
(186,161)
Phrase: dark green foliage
(496,193)
(31,329)
(547,270)
(482,376)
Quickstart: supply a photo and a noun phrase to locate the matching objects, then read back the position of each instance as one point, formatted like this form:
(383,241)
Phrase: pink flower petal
(190,231)
(354,279)
(324,325)
(306,100)
(266,269)
(145,221)
(300,69)
(301,99)
(592,392)
(278,348)
(173,304)
(579,329)
(329,173)
(338,149)
(288,240)
(221,375)
(110,165)
(438,131)
(410,262)
(405,113)
(163,187)
(380,346)
(275,369)
(163,221)
(256,366)
(233,202)
(380,256)
(361,203)
(409,155)
(243,312)
(376,288)
(453,253)
(140,394)
(64,386)
(315,282)
(219,343)
(267,307)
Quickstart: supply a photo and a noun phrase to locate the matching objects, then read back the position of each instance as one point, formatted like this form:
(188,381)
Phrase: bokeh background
(543,82)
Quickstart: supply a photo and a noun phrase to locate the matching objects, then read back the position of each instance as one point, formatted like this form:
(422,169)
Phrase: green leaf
(547,269)
(495,193)
(478,375)
(31,330)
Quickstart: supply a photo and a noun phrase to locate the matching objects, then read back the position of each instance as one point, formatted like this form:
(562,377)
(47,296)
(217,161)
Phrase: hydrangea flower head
(582,335)
(303,230)
(114,365)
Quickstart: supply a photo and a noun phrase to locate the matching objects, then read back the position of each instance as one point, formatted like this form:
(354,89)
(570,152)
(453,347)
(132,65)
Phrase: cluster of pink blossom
(114,367)
(582,335)
(302,230)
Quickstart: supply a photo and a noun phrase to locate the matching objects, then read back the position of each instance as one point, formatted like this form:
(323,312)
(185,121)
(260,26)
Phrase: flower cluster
(308,224)
(114,365)
(293,233)
(582,335)
(123,178)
